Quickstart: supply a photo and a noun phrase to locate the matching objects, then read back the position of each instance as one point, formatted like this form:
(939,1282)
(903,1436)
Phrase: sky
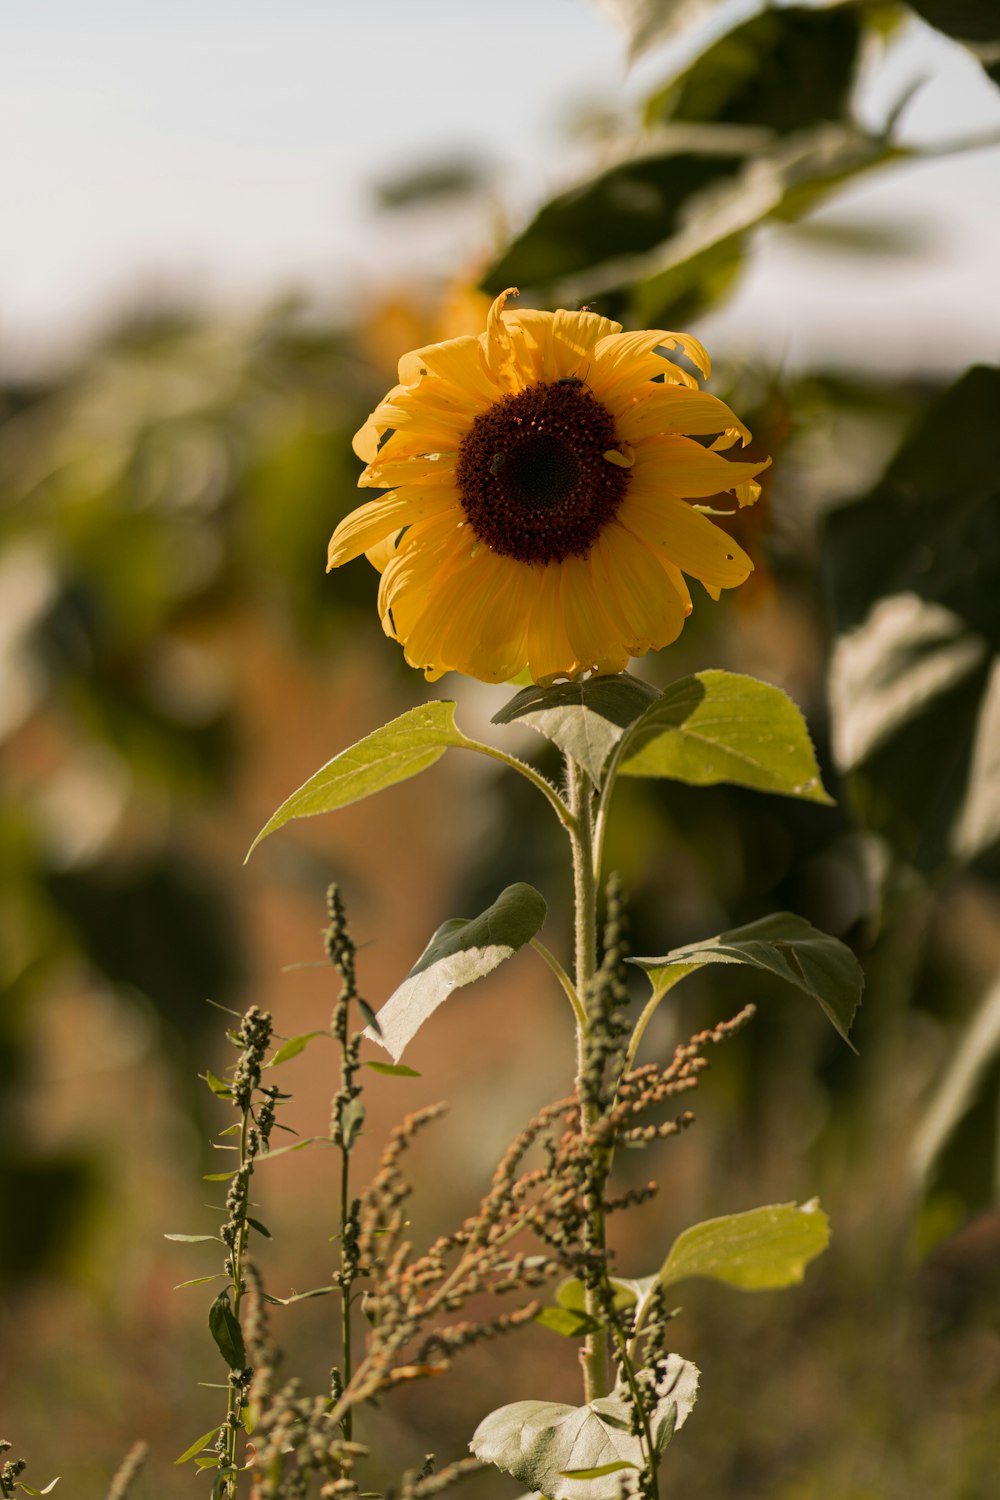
(227,149)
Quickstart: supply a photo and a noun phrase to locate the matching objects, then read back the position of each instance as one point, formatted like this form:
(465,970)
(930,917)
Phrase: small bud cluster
(11,1471)
(340,950)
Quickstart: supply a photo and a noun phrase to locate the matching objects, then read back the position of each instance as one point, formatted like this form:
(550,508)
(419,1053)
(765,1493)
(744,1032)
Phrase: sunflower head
(543,484)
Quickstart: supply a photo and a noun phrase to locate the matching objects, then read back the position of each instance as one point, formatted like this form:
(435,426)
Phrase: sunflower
(540,478)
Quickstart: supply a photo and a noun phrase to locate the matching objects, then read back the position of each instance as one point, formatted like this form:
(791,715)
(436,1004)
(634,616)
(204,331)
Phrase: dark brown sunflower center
(532,475)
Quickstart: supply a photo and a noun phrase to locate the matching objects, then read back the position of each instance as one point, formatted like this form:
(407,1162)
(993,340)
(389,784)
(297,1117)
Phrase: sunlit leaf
(400,749)
(294,1046)
(542,1443)
(763,1249)
(198,1445)
(192,1239)
(584,719)
(784,945)
(720,726)
(460,952)
(393,1070)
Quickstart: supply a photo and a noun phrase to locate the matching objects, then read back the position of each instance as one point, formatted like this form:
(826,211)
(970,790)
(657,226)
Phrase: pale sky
(228,147)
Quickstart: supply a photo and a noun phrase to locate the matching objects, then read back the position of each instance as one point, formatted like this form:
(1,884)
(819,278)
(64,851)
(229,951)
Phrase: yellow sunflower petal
(548,646)
(637,592)
(625,361)
(381,555)
(674,410)
(691,541)
(372,523)
(456,362)
(678,466)
(433,468)
(410,578)
(486,605)
(595,639)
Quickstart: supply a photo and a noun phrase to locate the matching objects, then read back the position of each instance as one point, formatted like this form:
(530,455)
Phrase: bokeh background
(223,224)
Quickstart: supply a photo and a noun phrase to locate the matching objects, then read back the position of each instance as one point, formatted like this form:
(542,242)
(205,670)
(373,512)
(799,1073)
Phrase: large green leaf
(913,572)
(585,719)
(578,1452)
(627,210)
(784,945)
(787,69)
(460,952)
(721,726)
(763,1249)
(400,749)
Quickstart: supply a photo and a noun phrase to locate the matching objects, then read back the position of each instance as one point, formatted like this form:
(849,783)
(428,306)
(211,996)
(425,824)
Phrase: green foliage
(224,1327)
(400,749)
(786,69)
(564,1452)
(459,953)
(914,574)
(586,720)
(721,726)
(784,945)
(763,1249)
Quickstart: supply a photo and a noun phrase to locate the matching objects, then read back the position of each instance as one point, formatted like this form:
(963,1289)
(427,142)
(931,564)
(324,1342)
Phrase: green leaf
(260,1228)
(199,1280)
(572,1294)
(459,953)
(225,1329)
(787,69)
(352,1117)
(913,573)
(197,1446)
(192,1239)
(403,748)
(763,1249)
(220,1088)
(294,1046)
(29,1489)
(393,1070)
(317,1291)
(584,719)
(782,944)
(626,211)
(599,1473)
(567,1323)
(721,726)
(565,1452)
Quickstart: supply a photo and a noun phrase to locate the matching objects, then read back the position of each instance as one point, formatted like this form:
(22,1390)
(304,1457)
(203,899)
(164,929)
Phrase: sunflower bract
(539,482)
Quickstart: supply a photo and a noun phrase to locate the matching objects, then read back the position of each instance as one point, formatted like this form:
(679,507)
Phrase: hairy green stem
(596,1349)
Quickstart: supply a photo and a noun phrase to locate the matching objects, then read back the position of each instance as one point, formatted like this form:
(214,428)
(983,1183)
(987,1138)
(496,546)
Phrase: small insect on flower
(540,482)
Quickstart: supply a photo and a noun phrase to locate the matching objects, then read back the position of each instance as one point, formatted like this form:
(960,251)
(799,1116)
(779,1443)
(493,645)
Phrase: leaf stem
(562,812)
(564,980)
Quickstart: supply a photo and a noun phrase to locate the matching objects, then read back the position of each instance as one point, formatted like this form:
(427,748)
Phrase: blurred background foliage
(174,661)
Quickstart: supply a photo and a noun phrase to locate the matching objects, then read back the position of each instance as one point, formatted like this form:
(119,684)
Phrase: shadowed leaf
(784,945)
(460,952)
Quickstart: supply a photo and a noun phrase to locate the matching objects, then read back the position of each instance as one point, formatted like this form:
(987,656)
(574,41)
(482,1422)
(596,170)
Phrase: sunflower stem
(596,1352)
